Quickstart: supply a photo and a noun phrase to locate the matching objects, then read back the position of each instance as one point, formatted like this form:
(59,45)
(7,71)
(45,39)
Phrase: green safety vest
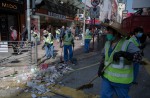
(133,39)
(88,36)
(121,71)
(50,37)
(57,32)
(47,40)
(68,40)
(34,34)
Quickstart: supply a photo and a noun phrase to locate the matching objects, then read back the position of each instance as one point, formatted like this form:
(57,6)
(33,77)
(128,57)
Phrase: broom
(61,57)
(90,84)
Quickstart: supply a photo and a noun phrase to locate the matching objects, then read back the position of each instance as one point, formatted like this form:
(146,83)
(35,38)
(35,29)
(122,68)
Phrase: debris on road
(44,77)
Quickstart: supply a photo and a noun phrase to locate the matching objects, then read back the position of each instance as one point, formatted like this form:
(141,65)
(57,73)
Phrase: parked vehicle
(129,23)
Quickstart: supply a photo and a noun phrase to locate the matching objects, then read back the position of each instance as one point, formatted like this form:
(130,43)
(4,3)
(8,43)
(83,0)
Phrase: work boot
(135,83)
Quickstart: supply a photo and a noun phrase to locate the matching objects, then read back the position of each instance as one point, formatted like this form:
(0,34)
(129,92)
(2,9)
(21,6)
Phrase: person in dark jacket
(23,35)
(62,33)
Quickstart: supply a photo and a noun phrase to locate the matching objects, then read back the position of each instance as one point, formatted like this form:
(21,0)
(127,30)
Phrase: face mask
(110,37)
(139,34)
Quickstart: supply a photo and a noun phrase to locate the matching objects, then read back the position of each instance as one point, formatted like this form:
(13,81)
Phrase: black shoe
(135,83)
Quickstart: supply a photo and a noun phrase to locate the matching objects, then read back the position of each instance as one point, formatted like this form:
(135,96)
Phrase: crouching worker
(116,67)
(47,44)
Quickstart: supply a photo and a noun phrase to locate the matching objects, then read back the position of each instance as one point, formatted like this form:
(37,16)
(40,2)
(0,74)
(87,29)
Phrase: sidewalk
(21,66)
(10,82)
(78,52)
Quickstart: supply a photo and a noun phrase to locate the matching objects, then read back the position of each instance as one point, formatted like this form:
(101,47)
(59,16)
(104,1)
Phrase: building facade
(11,13)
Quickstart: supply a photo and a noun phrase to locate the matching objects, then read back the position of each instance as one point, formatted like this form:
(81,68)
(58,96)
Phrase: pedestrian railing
(18,53)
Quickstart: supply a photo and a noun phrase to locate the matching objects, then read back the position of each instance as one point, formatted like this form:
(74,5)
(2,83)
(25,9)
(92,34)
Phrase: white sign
(95,12)
(95,2)
(59,16)
(3,46)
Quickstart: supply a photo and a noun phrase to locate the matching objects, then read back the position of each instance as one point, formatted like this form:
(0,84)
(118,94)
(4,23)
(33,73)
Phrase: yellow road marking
(60,90)
(86,67)
(73,93)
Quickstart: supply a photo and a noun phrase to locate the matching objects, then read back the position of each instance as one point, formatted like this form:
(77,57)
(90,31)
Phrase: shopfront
(53,19)
(9,16)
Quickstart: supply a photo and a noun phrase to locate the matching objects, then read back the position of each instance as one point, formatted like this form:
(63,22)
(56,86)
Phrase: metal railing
(18,53)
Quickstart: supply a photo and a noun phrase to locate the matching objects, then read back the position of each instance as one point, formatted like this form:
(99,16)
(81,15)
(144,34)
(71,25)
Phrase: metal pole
(36,52)
(84,22)
(29,31)
(93,33)
(28,20)
(125,4)
(33,4)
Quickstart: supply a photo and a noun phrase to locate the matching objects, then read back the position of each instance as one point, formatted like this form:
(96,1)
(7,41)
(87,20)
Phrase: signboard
(10,6)
(95,2)
(3,46)
(95,12)
(58,16)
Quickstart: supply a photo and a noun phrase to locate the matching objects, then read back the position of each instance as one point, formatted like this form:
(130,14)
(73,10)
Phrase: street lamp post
(84,22)
(28,19)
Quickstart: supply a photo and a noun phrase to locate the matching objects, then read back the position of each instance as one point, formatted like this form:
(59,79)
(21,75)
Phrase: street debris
(43,78)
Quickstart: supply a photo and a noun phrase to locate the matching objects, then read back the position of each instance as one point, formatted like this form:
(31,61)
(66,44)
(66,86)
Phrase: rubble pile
(44,78)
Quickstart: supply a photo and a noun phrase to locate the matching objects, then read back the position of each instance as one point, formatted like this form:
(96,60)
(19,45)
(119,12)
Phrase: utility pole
(28,19)
(84,21)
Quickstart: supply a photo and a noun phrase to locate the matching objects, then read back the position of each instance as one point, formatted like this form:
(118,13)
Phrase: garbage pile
(44,77)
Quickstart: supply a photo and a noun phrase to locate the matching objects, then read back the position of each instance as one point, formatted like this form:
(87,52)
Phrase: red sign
(92,21)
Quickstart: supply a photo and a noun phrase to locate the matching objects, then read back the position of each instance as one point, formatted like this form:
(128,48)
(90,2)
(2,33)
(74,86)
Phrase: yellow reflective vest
(134,40)
(50,37)
(68,40)
(121,71)
(88,34)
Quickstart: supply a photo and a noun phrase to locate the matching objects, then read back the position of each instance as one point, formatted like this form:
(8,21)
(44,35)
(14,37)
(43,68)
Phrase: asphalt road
(80,77)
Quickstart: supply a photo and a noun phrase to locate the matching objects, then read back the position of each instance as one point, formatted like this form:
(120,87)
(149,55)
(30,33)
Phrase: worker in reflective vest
(51,44)
(135,39)
(47,44)
(68,42)
(116,66)
(57,34)
(88,37)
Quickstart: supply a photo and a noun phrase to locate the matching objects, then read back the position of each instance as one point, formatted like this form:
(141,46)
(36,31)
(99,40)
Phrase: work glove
(142,46)
(100,69)
(127,55)
(73,44)
(34,35)
(142,53)
(46,43)
(61,45)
